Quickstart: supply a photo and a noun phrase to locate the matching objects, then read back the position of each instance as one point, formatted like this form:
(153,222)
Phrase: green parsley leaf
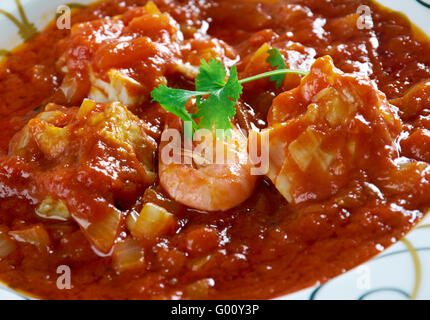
(211,76)
(174,101)
(276,60)
(215,98)
(219,108)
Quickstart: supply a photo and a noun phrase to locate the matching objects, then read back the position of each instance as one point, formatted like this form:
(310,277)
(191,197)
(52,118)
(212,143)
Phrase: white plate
(402,272)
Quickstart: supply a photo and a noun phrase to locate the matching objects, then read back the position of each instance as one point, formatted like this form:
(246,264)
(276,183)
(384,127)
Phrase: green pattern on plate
(424,3)
(26,29)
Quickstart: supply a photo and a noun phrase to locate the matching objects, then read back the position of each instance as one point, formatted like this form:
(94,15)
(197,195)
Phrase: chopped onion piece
(308,147)
(152,8)
(119,88)
(152,222)
(259,58)
(127,255)
(85,109)
(104,232)
(36,235)
(53,209)
(131,219)
(187,69)
(6,245)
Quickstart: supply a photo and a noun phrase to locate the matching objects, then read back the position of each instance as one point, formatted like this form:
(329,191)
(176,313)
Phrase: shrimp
(208,185)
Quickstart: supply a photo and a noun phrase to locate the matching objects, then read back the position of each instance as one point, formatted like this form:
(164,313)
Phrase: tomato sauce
(264,248)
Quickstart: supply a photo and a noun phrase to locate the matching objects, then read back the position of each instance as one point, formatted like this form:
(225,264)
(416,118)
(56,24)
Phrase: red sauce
(263,248)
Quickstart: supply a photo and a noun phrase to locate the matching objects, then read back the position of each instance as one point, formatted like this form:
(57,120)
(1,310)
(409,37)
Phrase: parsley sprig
(215,97)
